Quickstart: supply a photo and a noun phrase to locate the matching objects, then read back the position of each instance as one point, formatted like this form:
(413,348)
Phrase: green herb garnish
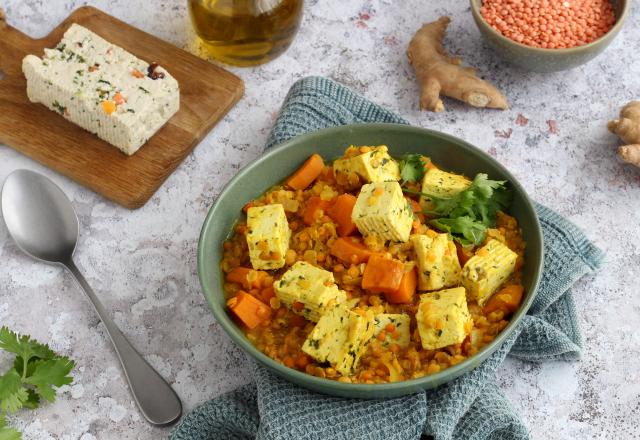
(463,229)
(468,214)
(35,372)
(6,432)
(412,167)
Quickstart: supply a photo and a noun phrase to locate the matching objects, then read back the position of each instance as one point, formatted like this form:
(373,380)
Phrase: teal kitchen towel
(469,407)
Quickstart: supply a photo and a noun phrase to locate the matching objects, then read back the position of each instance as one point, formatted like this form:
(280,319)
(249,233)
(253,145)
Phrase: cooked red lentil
(368,270)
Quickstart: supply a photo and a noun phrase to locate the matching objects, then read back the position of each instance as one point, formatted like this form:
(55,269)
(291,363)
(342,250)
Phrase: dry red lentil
(550,24)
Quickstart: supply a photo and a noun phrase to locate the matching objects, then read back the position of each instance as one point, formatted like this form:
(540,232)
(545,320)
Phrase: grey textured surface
(143,262)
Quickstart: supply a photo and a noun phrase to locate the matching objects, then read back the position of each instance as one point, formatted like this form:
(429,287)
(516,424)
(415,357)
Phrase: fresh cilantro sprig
(468,214)
(462,229)
(6,432)
(35,372)
(412,167)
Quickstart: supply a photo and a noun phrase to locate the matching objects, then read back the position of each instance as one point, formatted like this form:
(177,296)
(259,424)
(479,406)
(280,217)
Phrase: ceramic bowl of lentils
(549,35)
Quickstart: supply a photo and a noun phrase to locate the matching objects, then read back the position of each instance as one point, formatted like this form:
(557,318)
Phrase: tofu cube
(308,290)
(487,270)
(373,166)
(102,88)
(402,324)
(340,337)
(268,236)
(443,318)
(438,264)
(438,183)
(381,210)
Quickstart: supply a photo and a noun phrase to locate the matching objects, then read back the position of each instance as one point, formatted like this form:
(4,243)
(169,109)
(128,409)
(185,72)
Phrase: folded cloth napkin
(469,407)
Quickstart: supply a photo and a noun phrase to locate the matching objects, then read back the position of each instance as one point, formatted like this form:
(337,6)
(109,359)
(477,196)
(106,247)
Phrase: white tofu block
(374,166)
(438,183)
(268,236)
(487,270)
(438,264)
(102,88)
(381,210)
(310,286)
(340,338)
(443,318)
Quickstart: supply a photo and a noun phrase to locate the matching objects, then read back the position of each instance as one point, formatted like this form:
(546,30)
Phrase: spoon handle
(156,399)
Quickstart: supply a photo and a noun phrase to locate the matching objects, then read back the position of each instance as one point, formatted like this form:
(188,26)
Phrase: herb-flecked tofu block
(102,88)
(313,289)
(443,318)
(381,210)
(340,338)
(268,236)
(438,264)
(438,183)
(373,166)
(402,328)
(487,270)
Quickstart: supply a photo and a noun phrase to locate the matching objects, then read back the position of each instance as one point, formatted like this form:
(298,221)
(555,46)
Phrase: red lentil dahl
(281,334)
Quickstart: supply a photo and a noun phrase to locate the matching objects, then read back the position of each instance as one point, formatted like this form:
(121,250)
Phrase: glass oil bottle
(246,32)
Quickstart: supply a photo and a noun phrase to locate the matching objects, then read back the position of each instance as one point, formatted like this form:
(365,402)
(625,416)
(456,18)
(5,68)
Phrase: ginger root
(439,73)
(630,153)
(627,127)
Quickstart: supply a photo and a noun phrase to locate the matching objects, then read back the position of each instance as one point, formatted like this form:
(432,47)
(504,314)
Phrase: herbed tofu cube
(487,270)
(373,166)
(443,318)
(438,183)
(402,333)
(381,210)
(268,236)
(340,338)
(308,290)
(438,264)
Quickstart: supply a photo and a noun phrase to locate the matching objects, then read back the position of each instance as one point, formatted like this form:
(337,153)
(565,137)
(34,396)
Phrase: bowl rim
(475,10)
(332,387)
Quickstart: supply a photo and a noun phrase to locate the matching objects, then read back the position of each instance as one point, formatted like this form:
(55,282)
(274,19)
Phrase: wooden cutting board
(207,92)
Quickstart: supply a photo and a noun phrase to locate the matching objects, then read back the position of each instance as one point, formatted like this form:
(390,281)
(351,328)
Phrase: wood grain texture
(207,92)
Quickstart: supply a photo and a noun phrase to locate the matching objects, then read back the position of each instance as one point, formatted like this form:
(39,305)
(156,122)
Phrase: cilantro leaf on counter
(50,373)
(6,432)
(36,370)
(468,214)
(12,393)
(412,167)
(23,346)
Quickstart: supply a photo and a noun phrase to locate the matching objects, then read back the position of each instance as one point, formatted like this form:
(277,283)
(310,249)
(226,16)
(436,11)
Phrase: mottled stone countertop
(143,263)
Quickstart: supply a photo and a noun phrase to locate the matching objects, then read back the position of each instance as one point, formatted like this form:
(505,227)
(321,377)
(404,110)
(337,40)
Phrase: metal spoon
(43,223)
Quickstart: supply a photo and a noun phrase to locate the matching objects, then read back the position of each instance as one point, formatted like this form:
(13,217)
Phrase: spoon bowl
(39,217)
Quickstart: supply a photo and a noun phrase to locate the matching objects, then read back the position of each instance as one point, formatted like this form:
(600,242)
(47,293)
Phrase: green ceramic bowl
(548,60)
(275,165)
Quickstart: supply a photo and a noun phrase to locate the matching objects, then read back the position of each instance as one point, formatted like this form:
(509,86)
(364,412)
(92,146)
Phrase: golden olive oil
(246,32)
